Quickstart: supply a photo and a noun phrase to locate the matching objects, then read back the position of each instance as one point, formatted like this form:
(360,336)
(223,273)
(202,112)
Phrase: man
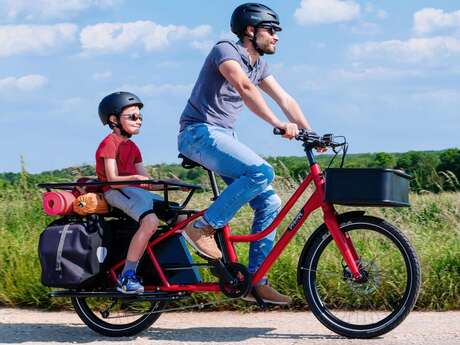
(228,79)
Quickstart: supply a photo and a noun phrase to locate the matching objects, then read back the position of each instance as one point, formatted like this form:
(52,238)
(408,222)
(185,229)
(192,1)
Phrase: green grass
(432,224)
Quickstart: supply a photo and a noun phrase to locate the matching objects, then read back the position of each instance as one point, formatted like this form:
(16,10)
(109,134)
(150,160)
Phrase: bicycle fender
(341,218)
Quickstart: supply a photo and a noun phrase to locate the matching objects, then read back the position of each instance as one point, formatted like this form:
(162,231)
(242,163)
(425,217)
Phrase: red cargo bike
(359,274)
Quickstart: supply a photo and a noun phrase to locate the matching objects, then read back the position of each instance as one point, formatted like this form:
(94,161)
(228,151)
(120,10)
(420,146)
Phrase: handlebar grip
(278,131)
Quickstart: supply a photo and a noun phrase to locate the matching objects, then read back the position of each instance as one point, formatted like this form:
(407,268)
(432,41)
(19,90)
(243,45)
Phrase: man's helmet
(255,15)
(114,104)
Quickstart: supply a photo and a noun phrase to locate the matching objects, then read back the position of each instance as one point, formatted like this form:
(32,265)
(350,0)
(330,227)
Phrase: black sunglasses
(133,117)
(270,29)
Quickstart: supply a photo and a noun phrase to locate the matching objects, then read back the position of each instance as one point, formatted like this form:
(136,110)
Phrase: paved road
(18,326)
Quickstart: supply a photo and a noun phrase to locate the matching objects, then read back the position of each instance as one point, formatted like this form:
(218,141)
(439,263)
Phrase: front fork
(343,241)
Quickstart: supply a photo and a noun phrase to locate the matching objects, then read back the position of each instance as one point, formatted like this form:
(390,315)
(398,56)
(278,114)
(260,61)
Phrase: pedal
(259,299)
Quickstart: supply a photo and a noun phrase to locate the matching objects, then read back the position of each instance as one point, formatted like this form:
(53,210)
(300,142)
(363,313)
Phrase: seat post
(214,186)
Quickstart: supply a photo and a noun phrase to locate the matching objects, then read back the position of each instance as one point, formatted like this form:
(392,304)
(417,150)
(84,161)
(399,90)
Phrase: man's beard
(267,50)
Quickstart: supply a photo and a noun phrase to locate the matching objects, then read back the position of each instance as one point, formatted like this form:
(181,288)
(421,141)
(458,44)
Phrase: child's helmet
(253,14)
(114,104)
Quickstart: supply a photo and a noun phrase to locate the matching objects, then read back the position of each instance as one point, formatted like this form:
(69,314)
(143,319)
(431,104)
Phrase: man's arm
(288,104)
(232,72)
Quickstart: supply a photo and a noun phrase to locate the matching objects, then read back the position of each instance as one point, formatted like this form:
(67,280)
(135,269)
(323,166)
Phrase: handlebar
(312,140)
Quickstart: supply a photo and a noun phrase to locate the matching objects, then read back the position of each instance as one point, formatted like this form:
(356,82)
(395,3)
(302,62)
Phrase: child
(119,159)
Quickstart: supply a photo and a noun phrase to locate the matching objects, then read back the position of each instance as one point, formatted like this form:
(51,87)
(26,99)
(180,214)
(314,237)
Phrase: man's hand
(321,149)
(290,130)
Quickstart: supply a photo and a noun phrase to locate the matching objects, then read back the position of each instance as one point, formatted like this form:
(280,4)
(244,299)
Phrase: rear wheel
(117,317)
(379,301)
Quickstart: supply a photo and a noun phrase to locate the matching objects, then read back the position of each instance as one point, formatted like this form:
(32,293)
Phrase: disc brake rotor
(371,281)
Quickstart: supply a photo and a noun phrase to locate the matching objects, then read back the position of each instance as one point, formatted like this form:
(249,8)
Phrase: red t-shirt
(125,152)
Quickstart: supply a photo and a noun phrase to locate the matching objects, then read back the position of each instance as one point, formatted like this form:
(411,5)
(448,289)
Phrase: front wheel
(377,303)
(116,317)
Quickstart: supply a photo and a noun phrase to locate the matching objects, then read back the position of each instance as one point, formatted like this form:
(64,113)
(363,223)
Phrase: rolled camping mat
(58,203)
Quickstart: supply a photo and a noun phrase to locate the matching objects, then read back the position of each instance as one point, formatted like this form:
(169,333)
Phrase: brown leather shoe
(202,239)
(269,295)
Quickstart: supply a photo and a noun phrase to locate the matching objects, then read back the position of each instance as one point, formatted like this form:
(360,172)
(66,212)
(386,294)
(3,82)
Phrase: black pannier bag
(73,252)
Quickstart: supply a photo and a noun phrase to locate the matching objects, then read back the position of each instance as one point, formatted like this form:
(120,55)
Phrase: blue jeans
(247,175)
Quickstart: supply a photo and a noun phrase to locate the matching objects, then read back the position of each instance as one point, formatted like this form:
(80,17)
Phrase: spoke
(323,272)
(385,302)
(118,310)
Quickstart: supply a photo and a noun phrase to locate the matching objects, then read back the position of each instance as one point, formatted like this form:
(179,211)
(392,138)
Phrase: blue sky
(383,73)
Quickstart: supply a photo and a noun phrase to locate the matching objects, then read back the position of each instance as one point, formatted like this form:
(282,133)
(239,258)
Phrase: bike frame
(316,201)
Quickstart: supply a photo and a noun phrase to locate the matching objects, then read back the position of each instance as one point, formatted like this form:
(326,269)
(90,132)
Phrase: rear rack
(167,186)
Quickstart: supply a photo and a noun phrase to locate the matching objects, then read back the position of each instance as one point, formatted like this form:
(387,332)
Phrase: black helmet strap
(122,130)
(253,39)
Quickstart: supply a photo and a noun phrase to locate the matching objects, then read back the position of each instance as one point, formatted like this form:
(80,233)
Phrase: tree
(422,166)
(449,160)
(449,169)
(383,160)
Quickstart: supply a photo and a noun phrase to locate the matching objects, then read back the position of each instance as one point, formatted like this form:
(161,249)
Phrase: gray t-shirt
(214,100)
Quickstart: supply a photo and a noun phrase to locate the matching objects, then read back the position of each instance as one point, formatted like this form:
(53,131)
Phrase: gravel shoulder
(18,326)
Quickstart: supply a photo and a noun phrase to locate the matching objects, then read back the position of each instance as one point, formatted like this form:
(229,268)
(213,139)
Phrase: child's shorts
(135,202)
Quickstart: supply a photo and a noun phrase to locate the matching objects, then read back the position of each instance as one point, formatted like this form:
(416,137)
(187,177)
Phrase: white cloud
(121,37)
(26,83)
(412,50)
(203,45)
(51,8)
(16,39)
(326,11)
(102,75)
(159,89)
(374,73)
(429,20)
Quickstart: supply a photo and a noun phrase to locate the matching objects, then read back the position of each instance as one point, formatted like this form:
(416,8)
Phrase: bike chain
(198,305)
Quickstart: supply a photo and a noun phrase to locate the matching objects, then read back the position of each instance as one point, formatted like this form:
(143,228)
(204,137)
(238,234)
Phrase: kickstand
(259,300)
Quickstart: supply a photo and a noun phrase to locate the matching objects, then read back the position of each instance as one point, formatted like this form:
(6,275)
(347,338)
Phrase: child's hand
(144,178)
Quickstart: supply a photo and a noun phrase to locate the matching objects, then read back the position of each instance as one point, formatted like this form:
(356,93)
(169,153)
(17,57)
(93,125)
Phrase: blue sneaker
(129,283)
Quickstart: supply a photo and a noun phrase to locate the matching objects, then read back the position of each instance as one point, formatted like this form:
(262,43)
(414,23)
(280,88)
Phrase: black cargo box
(367,187)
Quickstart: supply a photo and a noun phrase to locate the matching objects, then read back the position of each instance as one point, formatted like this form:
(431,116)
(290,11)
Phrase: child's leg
(137,203)
(149,225)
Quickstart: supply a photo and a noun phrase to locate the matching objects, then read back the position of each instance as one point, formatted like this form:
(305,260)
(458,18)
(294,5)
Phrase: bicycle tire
(328,311)
(89,315)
